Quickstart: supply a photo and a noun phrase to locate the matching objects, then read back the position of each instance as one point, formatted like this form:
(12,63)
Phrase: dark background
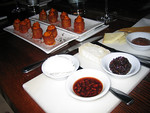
(132,9)
(120,6)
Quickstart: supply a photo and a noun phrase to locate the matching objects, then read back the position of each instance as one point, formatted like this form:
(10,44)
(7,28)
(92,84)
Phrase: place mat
(51,94)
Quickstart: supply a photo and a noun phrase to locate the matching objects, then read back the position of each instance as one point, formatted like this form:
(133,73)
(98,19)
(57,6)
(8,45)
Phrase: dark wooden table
(16,54)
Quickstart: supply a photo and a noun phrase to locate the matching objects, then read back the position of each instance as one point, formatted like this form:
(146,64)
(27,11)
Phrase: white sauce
(58,64)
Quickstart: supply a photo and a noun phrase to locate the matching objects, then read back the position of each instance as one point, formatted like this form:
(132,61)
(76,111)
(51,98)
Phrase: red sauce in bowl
(87,87)
(141,41)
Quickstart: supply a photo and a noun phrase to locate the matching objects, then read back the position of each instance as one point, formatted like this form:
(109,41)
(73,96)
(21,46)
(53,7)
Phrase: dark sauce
(120,65)
(141,41)
(87,87)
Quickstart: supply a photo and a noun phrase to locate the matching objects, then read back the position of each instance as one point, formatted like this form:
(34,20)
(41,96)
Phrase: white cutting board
(51,94)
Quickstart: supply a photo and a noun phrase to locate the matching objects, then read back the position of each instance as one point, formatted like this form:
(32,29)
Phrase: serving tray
(91,26)
(62,39)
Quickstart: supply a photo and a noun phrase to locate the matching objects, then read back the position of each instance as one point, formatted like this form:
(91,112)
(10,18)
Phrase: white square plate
(62,39)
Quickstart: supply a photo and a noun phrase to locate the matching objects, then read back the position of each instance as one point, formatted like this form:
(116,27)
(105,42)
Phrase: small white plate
(60,66)
(135,64)
(87,73)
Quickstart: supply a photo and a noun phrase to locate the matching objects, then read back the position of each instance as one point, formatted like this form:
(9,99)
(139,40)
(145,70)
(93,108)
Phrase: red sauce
(87,87)
(141,41)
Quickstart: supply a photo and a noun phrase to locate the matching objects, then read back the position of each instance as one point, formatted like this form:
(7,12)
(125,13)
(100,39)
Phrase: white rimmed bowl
(87,73)
(63,64)
(135,64)
(135,35)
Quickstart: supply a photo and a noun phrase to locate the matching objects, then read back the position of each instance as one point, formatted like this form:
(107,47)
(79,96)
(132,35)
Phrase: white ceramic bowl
(87,73)
(135,64)
(60,66)
(135,35)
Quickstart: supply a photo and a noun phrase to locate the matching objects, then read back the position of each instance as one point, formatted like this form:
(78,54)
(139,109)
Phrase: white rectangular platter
(62,39)
(91,26)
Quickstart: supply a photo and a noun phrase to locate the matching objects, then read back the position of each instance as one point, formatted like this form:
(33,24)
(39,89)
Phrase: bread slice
(92,52)
(112,37)
(136,29)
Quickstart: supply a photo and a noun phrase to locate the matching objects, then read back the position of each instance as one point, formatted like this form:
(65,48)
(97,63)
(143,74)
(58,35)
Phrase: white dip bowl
(135,35)
(60,66)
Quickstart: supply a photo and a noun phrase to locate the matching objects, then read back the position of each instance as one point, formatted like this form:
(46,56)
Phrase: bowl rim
(78,74)
(105,64)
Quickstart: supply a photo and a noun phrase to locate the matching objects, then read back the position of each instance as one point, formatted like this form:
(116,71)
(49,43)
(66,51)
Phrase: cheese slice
(112,37)
(123,38)
(92,52)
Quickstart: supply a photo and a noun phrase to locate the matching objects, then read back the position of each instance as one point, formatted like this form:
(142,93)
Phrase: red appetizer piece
(54,11)
(79,24)
(49,38)
(28,23)
(36,24)
(37,31)
(63,14)
(23,28)
(43,15)
(66,22)
(52,17)
(52,28)
(16,24)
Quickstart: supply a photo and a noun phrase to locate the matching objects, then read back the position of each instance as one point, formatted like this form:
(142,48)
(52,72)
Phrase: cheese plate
(125,47)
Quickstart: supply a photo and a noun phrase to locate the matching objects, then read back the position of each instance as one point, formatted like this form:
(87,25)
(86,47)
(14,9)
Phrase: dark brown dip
(87,87)
(120,65)
(141,41)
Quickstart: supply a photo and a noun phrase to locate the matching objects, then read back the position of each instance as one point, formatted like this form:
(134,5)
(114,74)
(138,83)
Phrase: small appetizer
(79,24)
(36,24)
(43,15)
(52,28)
(37,31)
(52,17)
(63,14)
(49,38)
(23,28)
(16,24)
(52,10)
(28,23)
(66,22)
